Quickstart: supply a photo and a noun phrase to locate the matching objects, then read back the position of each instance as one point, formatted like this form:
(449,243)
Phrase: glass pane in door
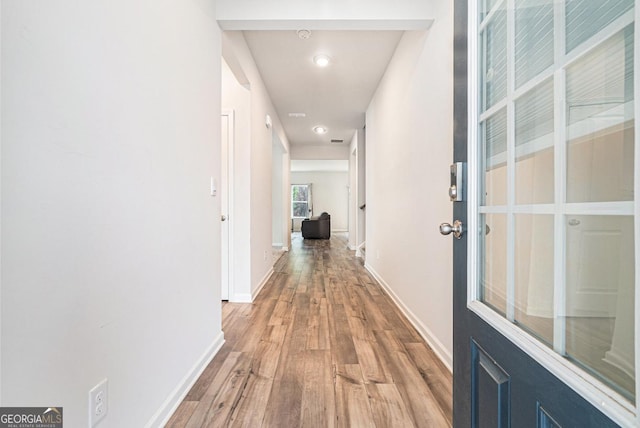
(494,70)
(534,117)
(584,18)
(534,275)
(494,275)
(600,127)
(495,159)
(600,297)
(487,5)
(534,38)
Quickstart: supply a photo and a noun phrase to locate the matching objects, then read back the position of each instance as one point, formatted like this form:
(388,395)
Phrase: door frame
(229,113)
(595,392)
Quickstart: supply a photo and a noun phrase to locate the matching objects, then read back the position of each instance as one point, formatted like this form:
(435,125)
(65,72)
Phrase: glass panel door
(556,200)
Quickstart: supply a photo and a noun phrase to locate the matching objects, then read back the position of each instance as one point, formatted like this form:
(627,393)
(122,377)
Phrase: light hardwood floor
(321,346)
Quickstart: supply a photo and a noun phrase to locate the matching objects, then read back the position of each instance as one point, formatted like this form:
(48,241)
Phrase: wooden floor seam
(322,345)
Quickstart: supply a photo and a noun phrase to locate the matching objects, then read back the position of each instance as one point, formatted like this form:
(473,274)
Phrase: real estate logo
(30,417)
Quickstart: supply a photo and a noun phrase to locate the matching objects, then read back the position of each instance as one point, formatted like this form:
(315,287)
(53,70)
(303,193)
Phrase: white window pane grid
(545,121)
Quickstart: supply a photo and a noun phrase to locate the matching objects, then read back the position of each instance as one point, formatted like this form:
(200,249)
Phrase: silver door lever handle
(446,229)
(223,218)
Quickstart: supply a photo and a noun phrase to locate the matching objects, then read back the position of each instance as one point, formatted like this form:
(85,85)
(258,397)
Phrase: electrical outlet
(98,403)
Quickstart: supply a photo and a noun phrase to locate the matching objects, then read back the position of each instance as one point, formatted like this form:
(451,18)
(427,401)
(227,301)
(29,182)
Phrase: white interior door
(225,196)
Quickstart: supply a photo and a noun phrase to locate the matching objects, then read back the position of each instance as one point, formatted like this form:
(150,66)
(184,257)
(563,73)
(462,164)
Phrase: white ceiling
(319,166)
(336,96)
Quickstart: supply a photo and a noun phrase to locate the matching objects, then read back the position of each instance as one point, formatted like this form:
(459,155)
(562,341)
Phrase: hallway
(322,345)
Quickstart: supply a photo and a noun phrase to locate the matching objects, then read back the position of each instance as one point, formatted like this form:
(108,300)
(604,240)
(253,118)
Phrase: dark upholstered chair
(317,227)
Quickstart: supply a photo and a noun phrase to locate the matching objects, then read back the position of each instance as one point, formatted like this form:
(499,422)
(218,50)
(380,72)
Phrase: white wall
(286,202)
(259,168)
(353,191)
(327,14)
(284,165)
(362,187)
(409,148)
(330,194)
(324,152)
(277,194)
(1,378)
(109,241)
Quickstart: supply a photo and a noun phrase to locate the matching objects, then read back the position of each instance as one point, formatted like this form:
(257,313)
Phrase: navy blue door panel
(489,391)
(494,380)
(545,420)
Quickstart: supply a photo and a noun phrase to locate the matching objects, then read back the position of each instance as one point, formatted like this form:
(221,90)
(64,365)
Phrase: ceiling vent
(337,141)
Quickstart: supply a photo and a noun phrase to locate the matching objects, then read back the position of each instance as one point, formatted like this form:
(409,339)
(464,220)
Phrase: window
(300,200)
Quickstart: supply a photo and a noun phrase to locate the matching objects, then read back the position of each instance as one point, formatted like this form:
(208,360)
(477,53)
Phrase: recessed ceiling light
(321,60)
(320,129)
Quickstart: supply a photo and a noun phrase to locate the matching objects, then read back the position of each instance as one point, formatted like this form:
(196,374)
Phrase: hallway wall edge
(168,408)
(440,350)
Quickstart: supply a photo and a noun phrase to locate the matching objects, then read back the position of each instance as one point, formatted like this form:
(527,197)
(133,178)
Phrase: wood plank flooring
(321,346)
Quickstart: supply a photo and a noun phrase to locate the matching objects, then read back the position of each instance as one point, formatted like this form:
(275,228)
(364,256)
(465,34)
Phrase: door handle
(223,218)
(457,229)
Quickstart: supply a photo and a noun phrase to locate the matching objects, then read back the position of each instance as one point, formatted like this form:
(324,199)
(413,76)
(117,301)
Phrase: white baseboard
(339,230)
(172,402)
(260,286)
(435,344)
(277,245)
(249,297)
(241,298)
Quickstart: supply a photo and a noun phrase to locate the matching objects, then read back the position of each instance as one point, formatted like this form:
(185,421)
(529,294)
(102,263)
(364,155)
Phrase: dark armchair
(317,227)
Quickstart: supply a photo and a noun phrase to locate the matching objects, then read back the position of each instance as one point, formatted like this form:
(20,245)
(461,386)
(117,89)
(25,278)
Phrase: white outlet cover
(98,403)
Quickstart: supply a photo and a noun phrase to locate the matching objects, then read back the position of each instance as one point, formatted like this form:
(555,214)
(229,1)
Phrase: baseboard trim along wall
(249,297)
(260,286)
(439,349)
(241,298)
(172,402)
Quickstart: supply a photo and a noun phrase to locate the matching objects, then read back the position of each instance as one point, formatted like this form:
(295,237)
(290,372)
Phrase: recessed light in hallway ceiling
(320,129)
(335,97)
(321,60)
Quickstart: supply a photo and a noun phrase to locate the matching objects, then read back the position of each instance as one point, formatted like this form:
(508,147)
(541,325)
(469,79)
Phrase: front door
(545,269)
